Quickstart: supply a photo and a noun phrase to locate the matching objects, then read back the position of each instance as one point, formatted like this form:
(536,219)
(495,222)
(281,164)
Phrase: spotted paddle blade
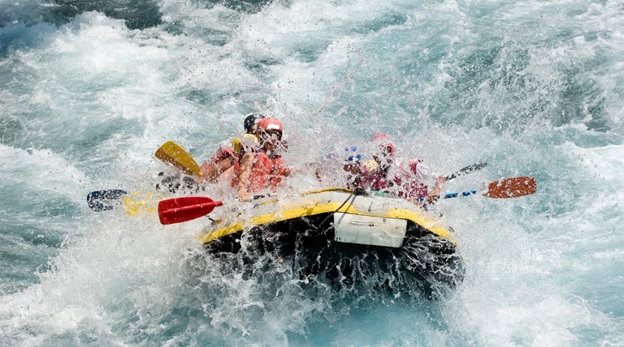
(104,200)
(182,209)
(512,187)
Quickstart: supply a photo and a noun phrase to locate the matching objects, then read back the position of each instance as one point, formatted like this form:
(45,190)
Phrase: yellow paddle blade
(172,153)
(136,203)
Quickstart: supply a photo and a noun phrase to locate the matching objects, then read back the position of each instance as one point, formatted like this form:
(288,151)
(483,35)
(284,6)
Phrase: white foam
(40,171)
(529,259)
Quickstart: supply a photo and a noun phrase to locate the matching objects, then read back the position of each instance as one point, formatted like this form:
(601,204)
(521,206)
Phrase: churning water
(89,90)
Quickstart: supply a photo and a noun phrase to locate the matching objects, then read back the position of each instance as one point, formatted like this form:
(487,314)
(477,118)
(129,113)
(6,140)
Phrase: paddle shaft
(454,195)
(464,171)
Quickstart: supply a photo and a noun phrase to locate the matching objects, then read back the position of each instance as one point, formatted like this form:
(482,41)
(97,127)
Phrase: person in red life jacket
(227,154)
(353,166)
(413,182)
(386,174)
(264,169)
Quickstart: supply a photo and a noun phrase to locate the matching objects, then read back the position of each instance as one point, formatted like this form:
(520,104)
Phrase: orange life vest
(266,172)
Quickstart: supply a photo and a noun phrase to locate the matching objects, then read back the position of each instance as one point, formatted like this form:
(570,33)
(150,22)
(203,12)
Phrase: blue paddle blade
(104,200)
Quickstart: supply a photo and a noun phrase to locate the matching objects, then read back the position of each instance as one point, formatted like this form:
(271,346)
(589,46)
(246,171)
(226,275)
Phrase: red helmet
(270,124)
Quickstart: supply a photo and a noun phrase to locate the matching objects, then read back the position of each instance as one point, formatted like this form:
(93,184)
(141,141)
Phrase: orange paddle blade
(512,187)
(178,210)
(173,154)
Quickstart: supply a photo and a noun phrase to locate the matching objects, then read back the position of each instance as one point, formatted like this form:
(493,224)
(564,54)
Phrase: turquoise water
(89,91)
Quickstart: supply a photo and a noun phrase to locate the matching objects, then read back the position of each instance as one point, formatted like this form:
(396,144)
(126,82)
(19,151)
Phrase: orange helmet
(270,124)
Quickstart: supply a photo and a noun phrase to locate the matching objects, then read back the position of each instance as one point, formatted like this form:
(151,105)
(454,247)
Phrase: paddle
(504,189)
(104,200)
(172,153)
(182,209)
(468,169)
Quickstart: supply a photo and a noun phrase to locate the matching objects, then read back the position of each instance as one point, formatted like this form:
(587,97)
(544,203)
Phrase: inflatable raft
(342,236)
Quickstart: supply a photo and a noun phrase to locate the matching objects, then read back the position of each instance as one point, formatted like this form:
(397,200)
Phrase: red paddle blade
(178,210)
(512,187)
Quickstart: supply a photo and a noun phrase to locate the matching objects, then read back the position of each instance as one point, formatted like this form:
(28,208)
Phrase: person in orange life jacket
(265,168)
(386,174)
(225,157)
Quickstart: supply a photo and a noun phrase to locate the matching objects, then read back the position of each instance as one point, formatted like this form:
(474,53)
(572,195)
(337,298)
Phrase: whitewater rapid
(88,92)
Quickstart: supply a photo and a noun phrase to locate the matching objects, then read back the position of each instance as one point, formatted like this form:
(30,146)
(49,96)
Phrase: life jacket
(224,153)
(413,178)
(372,176)
(392,180)
(239,146)
(375,177)
(247,143)
(410,187)
(266,172)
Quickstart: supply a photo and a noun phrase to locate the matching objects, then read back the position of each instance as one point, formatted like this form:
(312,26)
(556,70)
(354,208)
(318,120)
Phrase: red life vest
(224,153)
(402,183)
(266,172)
(411,188)
(378,180)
